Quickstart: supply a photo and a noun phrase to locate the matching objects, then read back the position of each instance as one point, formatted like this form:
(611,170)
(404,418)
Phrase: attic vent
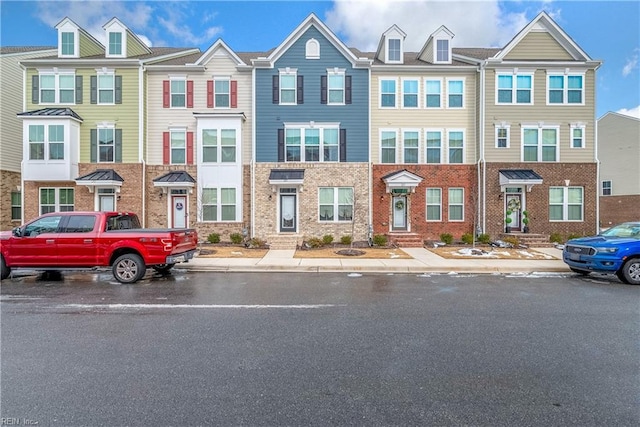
(313,49)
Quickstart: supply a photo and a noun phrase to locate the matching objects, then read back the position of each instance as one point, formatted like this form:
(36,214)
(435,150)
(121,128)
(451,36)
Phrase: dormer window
(115,44)
(116,38)
(67,44)
(443,51)
(395,52)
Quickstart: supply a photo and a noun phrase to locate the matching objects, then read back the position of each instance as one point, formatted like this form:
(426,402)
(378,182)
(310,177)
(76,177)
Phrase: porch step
(529,239)
(406,240)
(284,241)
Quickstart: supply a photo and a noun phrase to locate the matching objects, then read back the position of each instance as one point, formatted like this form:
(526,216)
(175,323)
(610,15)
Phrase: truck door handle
(48,241)
(88,240)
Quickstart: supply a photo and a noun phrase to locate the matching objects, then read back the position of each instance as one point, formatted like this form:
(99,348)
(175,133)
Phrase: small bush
(380,240)
(484,238)
(213,238)
(467,238)
(446,238)
(256,243)
(556,238)
(236,238)
(513,240)
(327,239)
(314,242)
(345,240)
(573,236)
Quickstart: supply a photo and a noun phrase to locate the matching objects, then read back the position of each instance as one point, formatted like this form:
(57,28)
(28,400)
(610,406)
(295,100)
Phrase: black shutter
(118,153)
(93,83)
(347,89)
(118,90)
(94,145)
(276,89)
(78,89)
(300,94)
(35,89)
(281,145)
(343,145)
(323,89)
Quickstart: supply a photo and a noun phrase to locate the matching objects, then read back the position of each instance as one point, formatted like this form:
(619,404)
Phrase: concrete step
(406,240)
(284,241)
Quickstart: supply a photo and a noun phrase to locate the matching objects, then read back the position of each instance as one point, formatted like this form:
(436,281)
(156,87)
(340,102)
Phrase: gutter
(253,154)
(142,101)
(482,171)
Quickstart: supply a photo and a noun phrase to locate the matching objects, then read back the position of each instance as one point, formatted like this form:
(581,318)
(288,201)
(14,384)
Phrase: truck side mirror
(17,232)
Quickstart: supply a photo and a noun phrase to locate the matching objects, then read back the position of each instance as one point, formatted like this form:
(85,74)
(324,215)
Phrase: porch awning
(286,176)
(101,178)
(402,179)
(519,177)
(174,179)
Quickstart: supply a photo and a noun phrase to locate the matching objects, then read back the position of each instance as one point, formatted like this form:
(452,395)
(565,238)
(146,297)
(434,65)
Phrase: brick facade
(617,209)
(9,183)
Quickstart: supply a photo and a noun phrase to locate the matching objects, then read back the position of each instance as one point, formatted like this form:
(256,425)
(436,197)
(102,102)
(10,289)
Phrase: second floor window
(433,90)
(178,93)
(317,144)
(288,88)
(222,93)
(106,144)
(577,137)
(455,93)
(178,146)
(387,93)
(46,142)
(540,144)
(410,93)
(411,146)
(456,147)
(434,147)
(514,89)
(335,82)
(388,147)
(565,89)
(57,88)
(502,137)
(106,88)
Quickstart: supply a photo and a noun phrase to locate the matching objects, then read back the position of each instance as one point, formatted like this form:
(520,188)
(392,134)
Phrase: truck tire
(631,271)
(163,268)
(4,270)
(128,268)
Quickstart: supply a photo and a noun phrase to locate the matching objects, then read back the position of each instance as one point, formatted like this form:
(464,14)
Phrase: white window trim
(380,132)
(464,145)
(427,204)
(388,51)
(100,126)
(540,127)
(171,132)
(435,50)
(312,49)
(289,72)
(303,127)
(442,145)
(395,80)
(405,79)
(610,187)
(582,127)
(464,88)
(57,204)
(514,89)
(105,72)
(403,132)
(565,96)
(440,80)
(336,72)
(449,204)
(56,72)
(508,128)
(219,79)
(565,205)
(336,206)
(47,143)
(76,43)
(123,45)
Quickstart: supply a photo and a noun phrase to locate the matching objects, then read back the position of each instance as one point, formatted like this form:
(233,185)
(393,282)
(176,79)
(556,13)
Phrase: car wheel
(128,268)
(582,272)
(4,270)
(620,275)
(631,271)
(163,268)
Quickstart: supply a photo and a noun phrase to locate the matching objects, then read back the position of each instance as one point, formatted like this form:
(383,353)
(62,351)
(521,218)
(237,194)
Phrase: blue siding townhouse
(311,135)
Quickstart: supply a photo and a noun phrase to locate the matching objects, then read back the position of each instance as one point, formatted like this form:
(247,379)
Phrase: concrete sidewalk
(423,261)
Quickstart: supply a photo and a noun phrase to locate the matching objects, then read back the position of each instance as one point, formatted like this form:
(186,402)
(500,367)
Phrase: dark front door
(288,213)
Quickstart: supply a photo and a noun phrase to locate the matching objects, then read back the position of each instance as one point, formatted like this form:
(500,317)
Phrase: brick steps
(284,241)
(406,240)
(529,239)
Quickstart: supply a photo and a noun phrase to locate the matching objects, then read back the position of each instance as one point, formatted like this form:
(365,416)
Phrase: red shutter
(166,155)
(234,94)
(209,93)
(189,148)
(189,93)
(165,94)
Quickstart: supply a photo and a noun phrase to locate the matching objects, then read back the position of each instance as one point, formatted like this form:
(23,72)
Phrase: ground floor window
(566,203)
(335,204)
(16,205)
(219,204)
(606,188)
(434,204)
(56,200)
(456,204)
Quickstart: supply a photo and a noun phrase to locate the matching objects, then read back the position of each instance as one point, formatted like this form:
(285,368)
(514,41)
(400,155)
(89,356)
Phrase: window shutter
(209,93)
(78,89)
(118,153)
(347,89)
(189,148)
(343,145)
(276,89)
(300,94)
(234,94)
(281,145)
(166,155)
(323,89)
(94,145)
(165,94)
(118,89)
(35,89)
(93,83)
(189,93)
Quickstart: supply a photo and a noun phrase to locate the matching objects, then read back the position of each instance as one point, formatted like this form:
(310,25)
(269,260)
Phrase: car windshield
(629,230)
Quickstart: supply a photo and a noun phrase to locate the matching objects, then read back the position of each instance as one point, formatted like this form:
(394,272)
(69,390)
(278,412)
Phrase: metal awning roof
(100,178)
(286,176)
(519,177)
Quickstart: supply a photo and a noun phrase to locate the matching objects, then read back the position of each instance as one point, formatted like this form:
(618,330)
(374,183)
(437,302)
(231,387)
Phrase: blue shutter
(347,89)
(323,89)
(276,89)
(281,145)
(300,90)
(343,145)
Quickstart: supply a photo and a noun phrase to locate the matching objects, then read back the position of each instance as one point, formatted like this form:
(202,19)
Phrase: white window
(225,151)
(46,142)
(514,89)
(434,204)
(106,88)
(566,203)
(319,143)
(577,136)
(433,89)
(56,200)
(222,91)
(434,146)
(502,136)
(335,82)
(455,93)
(57,88)
(16,205)
(606,188)
(106,144)
(222,208)
(178,147)
(56,142)
(388,146)
(410,142)
(115,44)
(388,93)
(288,80)
(540,144)
(312,49)
(335,204)
(67,44)
(36,142)
(456,204)
(394,52)
(442,50)
(178,93)
(410,93)
(456,146)
(565,89)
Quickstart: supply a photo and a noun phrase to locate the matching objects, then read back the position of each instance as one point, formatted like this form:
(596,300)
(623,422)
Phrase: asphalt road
(320,349)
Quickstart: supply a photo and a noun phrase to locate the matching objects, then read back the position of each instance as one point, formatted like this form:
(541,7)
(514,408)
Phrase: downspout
(24,108)
(141,127)
(482,172)
(253,152)
(369,163)
(595,148)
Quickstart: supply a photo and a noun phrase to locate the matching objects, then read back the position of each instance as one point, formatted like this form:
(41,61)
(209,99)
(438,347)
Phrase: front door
(513,204)
(179,211)
(287,213)
(399,213)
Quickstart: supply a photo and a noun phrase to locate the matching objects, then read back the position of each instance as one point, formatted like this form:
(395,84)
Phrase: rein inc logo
(17,422)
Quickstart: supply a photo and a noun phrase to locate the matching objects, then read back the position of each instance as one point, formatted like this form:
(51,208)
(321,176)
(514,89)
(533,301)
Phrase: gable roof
(115,20)
(393,28)
(215,47)
(441,29)
(67,20)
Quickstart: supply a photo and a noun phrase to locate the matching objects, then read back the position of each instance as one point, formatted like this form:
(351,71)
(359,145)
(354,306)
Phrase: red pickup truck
(83,240)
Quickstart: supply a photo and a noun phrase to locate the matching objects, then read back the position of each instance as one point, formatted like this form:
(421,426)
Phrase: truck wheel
(128,268)
(577,270)
(4,270)
(631,271)
(163,268)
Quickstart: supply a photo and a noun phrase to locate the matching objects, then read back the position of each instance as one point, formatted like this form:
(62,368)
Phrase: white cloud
(474,23)
(634,112)
(631,64)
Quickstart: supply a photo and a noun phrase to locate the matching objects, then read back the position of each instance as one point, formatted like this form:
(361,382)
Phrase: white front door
(513,204)
(399,212)
(179,204)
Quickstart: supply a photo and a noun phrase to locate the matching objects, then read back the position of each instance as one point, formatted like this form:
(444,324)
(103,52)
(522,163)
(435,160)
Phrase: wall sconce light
(118,198)
(161,194)
(382,197)
(500,196)
(269,196)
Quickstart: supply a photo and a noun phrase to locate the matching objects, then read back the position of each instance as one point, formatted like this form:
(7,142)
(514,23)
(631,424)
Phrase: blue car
(615,251)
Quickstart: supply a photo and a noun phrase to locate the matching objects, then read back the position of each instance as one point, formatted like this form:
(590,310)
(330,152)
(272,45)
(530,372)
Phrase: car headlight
(608,250)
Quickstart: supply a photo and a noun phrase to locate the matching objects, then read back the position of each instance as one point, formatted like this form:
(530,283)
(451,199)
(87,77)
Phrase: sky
(608,31)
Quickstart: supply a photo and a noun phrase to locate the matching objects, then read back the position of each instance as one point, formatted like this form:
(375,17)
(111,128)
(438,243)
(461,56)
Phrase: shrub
(213,238)
(446,238)
(380,240)
(256,243)
(484,238)
(467,238)
(345,240)
(513,240)
(573,236)
(327,239)
(556,238)
(314,242)
(236,238)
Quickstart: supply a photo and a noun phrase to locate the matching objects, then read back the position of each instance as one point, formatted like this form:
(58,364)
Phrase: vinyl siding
(562,115)
(619,153)
(538,46)
(88,47)
(133,47)
(271,117)
(422,118)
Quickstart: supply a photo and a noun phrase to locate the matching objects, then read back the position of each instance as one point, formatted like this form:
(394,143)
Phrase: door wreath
(514,204)
(399,205)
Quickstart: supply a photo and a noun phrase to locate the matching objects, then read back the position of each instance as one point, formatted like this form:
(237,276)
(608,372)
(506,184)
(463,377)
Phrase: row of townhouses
(309,138)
